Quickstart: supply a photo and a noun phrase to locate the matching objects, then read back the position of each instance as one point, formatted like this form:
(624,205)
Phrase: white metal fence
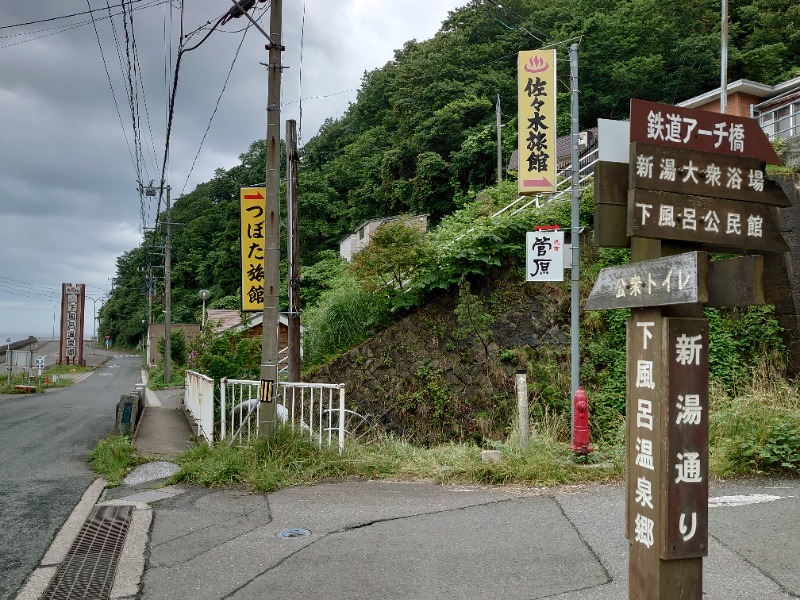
(782,121)
(316,408)
(199,400)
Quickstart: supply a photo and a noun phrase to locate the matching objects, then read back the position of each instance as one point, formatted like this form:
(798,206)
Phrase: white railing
(782,121)
(316,408)
(283,360)
(199,400)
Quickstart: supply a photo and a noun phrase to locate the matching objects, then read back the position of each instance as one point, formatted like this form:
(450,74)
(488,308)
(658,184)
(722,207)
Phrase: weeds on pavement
(113,457)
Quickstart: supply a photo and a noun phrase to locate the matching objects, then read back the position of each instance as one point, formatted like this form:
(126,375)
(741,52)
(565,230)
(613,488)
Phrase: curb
(131,565)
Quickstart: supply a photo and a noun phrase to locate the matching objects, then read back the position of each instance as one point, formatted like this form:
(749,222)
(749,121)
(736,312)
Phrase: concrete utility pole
(292,251)
(575,241)
(168,294)
(151,191)
(723,86)
(272,253)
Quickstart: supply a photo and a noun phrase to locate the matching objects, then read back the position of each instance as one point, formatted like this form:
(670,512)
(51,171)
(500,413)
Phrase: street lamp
(204,295)
(94,315)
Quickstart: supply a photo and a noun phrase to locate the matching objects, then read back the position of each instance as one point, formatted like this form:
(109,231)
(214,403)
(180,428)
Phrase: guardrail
(316,408)
(199,400)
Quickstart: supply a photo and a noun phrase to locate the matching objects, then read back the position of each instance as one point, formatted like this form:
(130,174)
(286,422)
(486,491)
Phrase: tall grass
(113,457)
(758,430)
(290,458)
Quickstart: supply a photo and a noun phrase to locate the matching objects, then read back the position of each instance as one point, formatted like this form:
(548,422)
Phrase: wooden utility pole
(292,250)
(272,252)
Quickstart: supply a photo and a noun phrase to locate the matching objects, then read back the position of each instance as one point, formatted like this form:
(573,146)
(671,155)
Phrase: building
(352,243)
(777,107)
(225,320)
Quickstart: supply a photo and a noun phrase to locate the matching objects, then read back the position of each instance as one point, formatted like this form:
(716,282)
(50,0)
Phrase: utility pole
(723,87)
(293,250)
(499,142)
(272,253)
(151,191)
(167,294)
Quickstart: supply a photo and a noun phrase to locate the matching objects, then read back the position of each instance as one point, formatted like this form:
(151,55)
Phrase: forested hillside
(421,137)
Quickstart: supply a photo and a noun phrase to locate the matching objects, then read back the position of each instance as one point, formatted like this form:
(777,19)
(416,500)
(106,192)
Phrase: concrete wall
(782,271)
(738,104)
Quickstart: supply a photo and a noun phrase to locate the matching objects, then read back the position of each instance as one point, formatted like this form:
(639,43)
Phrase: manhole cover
(294,532)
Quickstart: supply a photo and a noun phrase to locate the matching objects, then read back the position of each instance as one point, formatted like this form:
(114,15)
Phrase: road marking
(105,374)
(741,500)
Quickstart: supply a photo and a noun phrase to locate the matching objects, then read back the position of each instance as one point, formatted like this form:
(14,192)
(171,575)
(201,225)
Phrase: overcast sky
(69,204)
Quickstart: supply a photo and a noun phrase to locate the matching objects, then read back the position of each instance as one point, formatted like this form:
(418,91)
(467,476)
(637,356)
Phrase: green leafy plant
(344,316)
(113,458)
(178,347)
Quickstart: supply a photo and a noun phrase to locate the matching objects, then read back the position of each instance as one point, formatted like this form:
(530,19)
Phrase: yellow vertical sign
(252,201)
(536,94)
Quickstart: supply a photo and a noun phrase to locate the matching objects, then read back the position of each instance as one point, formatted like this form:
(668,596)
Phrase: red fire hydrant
(580,434)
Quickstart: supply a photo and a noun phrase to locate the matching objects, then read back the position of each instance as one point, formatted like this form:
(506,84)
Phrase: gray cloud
(68,200)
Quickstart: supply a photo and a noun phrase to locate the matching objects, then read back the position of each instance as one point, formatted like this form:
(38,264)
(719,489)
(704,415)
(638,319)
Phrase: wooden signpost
(695,183)
(716,221)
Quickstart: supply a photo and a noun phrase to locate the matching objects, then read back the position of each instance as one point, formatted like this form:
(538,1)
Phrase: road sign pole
(575,239)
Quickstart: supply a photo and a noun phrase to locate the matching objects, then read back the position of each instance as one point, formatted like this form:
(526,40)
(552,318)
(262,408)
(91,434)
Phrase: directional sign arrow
(256,196)
(678,279)
(542,183)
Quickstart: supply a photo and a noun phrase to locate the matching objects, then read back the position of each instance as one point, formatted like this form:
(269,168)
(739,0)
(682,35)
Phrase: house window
(781,122)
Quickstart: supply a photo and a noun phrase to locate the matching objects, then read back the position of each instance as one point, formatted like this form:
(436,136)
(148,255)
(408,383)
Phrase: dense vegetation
(421,138)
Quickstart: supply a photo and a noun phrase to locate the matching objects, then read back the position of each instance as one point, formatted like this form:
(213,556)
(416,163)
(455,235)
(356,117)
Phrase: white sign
(544,256)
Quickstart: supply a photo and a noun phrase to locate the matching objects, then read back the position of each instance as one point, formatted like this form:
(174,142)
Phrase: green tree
(391,259)
(178,347)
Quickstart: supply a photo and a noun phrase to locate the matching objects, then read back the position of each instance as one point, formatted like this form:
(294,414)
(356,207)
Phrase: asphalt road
(44,442)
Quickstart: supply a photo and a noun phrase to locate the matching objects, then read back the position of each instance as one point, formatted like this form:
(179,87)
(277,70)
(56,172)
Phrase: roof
(745,86)
(233,319)
(228,318)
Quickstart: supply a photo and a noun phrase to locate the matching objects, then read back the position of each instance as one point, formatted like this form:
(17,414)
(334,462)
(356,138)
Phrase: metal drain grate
(88,570)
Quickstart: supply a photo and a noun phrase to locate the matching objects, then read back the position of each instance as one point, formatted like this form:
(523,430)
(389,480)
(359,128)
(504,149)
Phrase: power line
(78,14)
(300,84)
(111,86)
(64,28)
(216,106)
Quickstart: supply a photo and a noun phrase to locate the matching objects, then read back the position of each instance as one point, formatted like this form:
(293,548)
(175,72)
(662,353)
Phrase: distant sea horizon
(18,337)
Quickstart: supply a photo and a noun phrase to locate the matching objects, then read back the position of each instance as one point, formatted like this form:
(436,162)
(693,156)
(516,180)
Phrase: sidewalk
(163,430)
(381,539)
